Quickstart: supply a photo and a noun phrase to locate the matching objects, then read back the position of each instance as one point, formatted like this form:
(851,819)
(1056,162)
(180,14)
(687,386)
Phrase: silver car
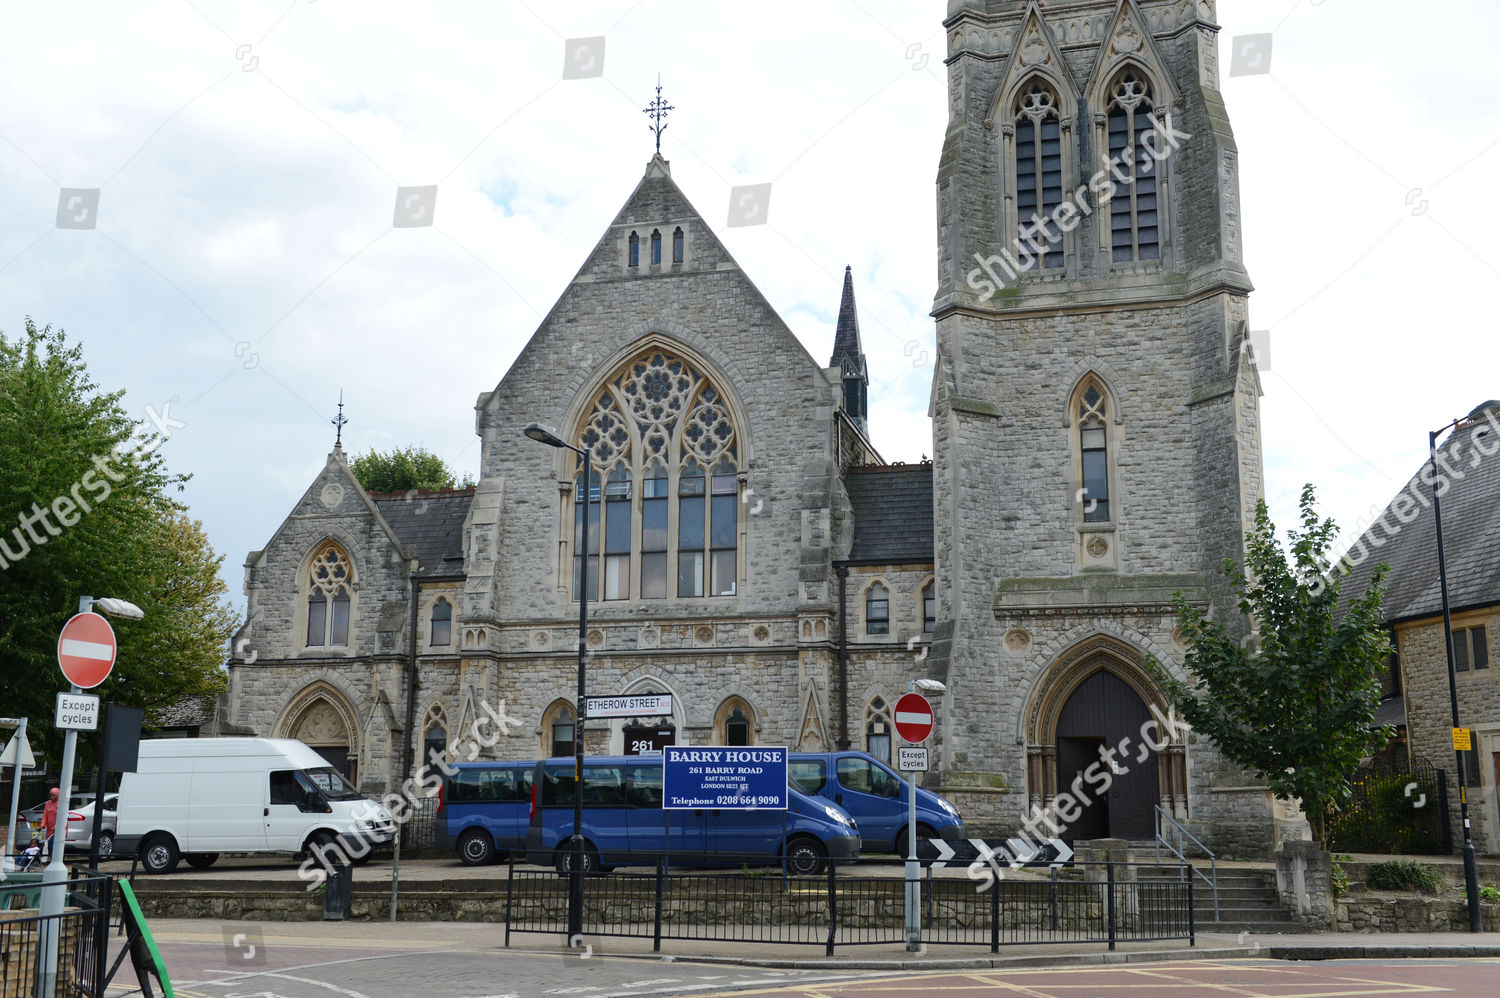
(81,827)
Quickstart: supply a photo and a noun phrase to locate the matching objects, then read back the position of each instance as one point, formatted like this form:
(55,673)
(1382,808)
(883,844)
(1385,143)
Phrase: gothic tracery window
(1093,444)
(329,579)
(878,730)
(1038,172)
(1134,233)
(663,509)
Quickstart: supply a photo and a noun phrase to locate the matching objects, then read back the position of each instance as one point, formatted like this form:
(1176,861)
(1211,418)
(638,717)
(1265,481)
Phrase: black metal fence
(1391,809)
(857,904)
(81,934)
(417,831)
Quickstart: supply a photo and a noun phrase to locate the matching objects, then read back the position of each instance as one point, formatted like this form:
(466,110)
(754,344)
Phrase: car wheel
(159,853)
(201,860)
(106,845)
(806,857)
(564,860)
(476,848)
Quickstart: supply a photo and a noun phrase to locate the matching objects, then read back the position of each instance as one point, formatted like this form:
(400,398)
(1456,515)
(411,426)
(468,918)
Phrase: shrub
(1339,880)
(1489,893)
(1404,875)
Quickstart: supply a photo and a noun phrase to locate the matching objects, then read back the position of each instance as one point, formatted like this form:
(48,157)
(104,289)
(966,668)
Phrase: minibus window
(557,787)
(603,785)
(645,786)
(485,785)
(860,776)
(809,777)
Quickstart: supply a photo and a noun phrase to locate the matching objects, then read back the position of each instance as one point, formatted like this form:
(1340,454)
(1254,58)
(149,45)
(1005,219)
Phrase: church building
(744,546)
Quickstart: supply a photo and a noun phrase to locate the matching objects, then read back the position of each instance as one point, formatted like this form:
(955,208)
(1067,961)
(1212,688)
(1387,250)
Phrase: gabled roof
(892,513)
(1471,533)
(429,522)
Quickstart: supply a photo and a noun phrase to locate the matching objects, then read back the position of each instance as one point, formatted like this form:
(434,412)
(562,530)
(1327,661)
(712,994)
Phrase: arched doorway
(321,719)
(1101,713)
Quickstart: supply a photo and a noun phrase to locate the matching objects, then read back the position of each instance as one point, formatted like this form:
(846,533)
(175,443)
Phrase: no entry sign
(86,650)
(914,718)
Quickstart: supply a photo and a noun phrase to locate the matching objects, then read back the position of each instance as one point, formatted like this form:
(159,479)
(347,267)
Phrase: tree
(87,507)
(1296,702)
(402,469)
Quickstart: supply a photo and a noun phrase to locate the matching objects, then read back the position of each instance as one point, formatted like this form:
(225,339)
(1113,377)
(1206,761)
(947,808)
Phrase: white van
(195,798)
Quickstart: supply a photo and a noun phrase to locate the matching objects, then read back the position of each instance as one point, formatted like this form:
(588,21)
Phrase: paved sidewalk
(440,936)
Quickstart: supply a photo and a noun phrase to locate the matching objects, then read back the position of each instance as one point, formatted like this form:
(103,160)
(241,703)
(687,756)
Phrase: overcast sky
(243,267)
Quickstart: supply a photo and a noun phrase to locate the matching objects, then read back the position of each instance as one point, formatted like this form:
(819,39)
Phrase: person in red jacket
(49,820)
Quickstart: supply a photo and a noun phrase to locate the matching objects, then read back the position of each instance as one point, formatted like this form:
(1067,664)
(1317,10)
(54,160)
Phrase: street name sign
(731,777)
(648,705)
(86,650)
(77,712)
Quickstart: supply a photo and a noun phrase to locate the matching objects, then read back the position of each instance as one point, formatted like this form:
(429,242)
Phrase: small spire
(657,110)
(338,424)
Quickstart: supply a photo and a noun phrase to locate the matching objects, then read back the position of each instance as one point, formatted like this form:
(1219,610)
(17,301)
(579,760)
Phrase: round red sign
(914,718)
(86,650)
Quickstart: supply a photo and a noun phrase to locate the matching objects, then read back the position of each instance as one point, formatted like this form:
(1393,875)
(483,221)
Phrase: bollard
(339,892)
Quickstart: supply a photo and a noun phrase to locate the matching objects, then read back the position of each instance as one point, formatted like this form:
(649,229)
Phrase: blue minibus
(624,822)
(874,795)
(484,809)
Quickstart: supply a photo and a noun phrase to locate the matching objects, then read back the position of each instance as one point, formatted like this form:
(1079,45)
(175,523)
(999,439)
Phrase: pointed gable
(1129,40)
(1036,54)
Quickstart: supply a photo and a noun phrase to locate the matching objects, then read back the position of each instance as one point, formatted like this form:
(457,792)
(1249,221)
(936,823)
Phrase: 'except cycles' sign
(723,777)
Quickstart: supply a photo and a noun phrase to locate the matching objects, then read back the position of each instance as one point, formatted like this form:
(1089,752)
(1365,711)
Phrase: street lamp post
(1471,871)
(543,434)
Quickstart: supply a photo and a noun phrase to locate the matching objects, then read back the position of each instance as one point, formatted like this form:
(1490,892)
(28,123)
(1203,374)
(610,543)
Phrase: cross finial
(338,423)
(657,110)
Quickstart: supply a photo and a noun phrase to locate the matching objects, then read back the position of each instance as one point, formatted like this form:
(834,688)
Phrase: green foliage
(1489,894)
(86,508)
(1339,880)
(403,469)
(1296,706)
(1404,875)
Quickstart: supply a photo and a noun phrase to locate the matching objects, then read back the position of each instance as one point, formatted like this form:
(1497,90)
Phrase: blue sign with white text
(735,777)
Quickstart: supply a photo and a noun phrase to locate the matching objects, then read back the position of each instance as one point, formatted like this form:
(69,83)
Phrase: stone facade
(1040,605)
(1042,594)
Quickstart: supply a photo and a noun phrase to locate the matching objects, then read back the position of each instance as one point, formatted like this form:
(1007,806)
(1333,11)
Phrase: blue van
(624,822)
(874,794)
(483,810)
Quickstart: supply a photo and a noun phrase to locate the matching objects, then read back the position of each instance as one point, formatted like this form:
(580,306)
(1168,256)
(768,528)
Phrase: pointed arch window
(929,608)
(878,730)
(1039,175)
(663,510)
(1093,446)
(1133,215)
(877,610)
(635,250)
(329,579)
(435,739)
(656,246)
(442,622)
(734,722)
(677,245)
(558,729)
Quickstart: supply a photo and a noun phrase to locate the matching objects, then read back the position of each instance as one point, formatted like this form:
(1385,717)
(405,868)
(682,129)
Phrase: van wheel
(806,856)
(476,848)
(923,832)
(564,859)
(201,860)
(159,853)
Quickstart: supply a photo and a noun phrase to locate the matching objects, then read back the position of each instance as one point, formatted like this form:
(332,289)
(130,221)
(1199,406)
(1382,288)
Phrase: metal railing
(854,904)
(81,933)
(1211,878)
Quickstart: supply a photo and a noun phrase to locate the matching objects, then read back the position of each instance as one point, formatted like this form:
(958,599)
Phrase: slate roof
(1471,534)
(848,354)
(430,521)
(892,512)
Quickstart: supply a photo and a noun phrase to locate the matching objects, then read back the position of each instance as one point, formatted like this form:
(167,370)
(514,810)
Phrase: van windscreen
(328,780)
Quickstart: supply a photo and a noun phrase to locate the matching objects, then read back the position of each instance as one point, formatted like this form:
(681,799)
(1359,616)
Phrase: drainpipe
(411,681)
(842,568)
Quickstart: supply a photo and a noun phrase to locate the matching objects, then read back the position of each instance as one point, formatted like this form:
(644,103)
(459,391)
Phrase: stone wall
(1376,914)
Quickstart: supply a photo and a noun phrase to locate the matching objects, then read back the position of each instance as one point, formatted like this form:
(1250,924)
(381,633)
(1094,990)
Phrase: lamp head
(543,434)
(931,685)
(119,608)
(1484,410)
